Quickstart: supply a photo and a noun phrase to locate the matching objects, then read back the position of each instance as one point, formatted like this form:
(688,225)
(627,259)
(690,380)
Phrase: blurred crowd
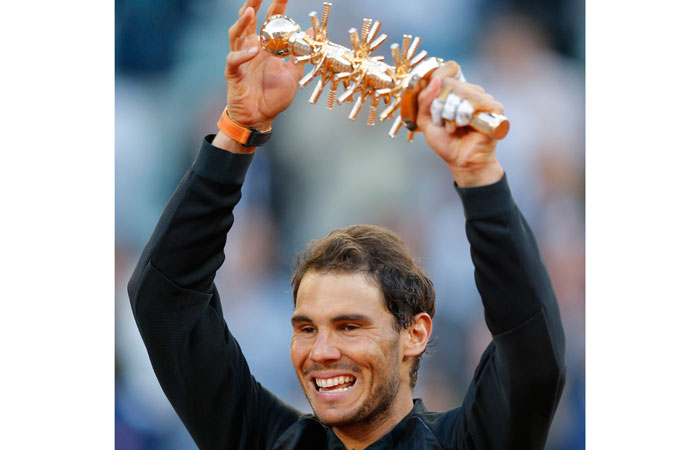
(321,171)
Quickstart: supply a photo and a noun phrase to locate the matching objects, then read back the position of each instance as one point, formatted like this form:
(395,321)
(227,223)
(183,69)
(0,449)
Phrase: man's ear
(418,334)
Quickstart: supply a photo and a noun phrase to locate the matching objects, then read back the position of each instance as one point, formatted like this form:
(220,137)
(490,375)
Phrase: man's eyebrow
(341,318)
(351,318)
(300,319)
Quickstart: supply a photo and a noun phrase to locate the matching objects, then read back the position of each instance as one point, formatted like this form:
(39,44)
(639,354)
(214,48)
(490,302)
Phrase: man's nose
(325,348)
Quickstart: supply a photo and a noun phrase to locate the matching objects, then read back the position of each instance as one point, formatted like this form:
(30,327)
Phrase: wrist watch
(247,137)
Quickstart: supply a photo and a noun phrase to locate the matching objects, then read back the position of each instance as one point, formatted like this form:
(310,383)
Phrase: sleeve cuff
(486,201)
(219,165)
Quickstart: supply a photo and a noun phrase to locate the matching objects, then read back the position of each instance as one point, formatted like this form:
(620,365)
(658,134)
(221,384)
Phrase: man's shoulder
(440,423)
(424,429)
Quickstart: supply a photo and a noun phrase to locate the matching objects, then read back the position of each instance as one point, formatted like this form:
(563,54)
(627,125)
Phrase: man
(363,308)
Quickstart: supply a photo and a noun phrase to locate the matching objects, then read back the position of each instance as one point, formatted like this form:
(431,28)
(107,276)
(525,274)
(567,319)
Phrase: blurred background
(322,171)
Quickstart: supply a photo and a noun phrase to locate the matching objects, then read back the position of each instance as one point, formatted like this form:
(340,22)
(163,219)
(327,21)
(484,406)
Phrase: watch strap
(247,137)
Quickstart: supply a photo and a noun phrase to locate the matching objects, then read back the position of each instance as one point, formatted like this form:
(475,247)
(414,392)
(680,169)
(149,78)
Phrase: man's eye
(306,329)
(349,327)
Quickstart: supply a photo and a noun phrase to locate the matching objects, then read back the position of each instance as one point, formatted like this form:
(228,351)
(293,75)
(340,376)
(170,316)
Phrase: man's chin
(336,409)
(335,417)
(333,422)
(338,419)
(349,416)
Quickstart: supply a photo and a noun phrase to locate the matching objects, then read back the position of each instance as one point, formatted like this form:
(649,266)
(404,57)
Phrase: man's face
(345,348)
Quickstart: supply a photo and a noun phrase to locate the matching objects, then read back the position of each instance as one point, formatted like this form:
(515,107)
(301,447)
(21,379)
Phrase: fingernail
(252,50)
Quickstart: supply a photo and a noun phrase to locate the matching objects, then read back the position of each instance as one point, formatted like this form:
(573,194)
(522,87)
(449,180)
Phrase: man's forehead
(333,294)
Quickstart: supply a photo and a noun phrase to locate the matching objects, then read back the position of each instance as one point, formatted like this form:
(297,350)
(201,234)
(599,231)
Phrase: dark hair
(384,257)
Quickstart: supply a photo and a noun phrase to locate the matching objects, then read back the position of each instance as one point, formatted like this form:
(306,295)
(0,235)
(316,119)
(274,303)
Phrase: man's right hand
(260,85)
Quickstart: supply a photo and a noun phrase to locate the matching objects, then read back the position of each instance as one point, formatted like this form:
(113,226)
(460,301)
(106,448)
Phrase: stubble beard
(373,412)
(375,409)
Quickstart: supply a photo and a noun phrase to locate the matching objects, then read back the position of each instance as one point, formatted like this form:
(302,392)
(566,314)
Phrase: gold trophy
(365,75)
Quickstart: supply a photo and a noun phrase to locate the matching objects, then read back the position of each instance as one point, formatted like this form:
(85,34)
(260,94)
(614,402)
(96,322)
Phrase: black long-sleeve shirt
(510,402)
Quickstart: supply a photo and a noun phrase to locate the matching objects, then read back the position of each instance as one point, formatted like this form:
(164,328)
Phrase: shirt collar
(409,431)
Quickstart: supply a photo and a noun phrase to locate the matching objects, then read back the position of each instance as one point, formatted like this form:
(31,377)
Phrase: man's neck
(360,436)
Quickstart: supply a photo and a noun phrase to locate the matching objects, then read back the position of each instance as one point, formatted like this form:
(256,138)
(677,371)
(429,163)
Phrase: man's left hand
(469,154)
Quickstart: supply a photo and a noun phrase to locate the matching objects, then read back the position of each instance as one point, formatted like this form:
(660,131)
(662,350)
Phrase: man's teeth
(326,383)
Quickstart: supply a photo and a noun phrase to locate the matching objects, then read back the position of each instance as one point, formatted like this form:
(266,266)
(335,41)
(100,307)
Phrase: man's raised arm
(519,380)
(176,305)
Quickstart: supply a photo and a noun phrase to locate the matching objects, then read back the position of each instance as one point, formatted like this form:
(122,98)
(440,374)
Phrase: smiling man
(362,320)
(363,307)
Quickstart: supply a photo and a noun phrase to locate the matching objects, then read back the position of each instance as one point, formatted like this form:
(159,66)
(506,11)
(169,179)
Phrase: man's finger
(255,4)
(448,69)
(480,100)
(277,7)
(238,29)
(430,104)
(436,111)
(235,59)
(464,113)
(449,110)
(426,97)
